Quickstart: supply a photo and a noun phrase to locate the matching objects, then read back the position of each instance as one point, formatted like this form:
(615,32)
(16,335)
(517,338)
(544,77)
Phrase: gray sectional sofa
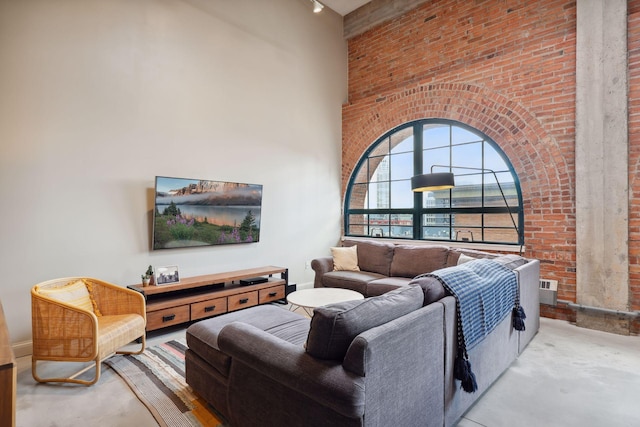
(385,360)
(253,367)
(383,266)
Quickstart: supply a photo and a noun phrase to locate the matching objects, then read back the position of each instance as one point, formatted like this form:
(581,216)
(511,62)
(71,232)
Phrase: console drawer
(167,317)
(246,299)
(208,308)
(273,293)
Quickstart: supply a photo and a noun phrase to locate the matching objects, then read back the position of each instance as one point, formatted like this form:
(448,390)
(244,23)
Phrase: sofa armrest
(288,365)
(529,288)
(321,266)
(403,365)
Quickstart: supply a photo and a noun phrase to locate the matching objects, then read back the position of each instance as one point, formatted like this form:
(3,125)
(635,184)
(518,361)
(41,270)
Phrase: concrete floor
(568,376)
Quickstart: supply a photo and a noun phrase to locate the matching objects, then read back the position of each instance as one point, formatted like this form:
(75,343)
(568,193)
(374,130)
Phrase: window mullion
(418,197)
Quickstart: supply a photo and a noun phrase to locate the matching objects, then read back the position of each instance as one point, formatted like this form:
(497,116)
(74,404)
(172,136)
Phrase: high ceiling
(343,7)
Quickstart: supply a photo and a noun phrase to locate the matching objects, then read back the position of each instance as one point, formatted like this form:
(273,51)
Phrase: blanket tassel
(462,371)
(518,318)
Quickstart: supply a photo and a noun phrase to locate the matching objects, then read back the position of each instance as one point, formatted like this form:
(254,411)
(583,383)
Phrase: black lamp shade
(432,182)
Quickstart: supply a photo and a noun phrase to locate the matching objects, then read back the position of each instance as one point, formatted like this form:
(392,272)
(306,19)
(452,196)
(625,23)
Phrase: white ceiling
(343,7)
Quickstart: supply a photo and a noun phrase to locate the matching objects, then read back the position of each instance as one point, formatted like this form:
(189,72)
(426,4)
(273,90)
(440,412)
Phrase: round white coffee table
(308,299)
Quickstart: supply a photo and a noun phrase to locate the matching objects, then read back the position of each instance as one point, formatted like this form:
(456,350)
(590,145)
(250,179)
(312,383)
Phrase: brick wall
(506,68)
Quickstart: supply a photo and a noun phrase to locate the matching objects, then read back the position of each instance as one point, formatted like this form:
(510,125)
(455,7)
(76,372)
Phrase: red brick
(507,69)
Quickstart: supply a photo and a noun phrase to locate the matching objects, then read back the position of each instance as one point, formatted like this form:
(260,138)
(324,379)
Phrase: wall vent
(548,291)
(552,285)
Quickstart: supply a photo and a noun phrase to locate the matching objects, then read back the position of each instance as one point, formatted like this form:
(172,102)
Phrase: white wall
(99,97)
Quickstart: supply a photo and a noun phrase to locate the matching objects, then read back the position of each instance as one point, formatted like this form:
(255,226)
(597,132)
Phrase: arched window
(484,206)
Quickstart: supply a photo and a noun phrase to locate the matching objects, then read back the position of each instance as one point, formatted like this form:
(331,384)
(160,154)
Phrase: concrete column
(602,187)
(375,12)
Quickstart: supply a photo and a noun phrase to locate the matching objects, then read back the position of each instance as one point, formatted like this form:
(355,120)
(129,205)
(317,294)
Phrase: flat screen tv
(196,212)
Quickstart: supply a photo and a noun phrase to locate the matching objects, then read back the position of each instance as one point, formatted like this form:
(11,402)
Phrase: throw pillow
(464,258)
(94,304)
(334,326)
(73,293)
(345,258)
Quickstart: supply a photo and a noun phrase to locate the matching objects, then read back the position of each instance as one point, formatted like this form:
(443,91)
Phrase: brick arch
(533,152)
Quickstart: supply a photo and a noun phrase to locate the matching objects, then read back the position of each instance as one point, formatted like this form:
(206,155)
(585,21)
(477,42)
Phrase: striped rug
(157,378)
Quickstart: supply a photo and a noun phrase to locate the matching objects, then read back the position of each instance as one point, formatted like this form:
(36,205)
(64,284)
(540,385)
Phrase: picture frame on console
(167,275)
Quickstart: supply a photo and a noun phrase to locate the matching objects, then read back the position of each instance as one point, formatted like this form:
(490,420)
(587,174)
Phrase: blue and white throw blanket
(486,292)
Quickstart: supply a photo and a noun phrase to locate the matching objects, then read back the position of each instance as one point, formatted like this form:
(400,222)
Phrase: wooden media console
(199,297)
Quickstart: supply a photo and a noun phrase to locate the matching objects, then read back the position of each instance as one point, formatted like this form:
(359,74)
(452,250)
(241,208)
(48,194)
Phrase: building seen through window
(484,206)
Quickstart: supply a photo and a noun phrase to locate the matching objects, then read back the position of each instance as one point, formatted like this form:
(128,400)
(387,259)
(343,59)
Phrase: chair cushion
(74,293)
(115,331)
(334,326)
(345,258)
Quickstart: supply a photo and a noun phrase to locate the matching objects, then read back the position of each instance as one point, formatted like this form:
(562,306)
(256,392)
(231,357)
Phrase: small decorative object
(147,277)
(150,275)
(167,275)
(145,280)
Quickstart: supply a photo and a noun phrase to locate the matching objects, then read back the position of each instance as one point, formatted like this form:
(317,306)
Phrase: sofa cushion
(474,253)
(410,261)
(202,336)
(511,261)
(453,257)
(354,280)
(334,326)
(373,256)
(345,258)
(431,287)
(386,284)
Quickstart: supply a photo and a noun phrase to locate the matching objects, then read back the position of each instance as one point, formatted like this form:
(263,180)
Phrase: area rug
(157,378)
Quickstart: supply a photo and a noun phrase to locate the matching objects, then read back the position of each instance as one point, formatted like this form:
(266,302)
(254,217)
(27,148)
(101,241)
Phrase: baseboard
(23,348)
(308,285)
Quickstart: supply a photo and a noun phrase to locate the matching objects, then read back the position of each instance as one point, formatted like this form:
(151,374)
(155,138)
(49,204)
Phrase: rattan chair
(67,332)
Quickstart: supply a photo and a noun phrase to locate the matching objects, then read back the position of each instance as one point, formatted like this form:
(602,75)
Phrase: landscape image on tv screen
(194,212)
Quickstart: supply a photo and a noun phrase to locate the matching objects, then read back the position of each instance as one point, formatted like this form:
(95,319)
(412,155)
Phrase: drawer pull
(210,308)
(244,300)
(273,294)
(168,318)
